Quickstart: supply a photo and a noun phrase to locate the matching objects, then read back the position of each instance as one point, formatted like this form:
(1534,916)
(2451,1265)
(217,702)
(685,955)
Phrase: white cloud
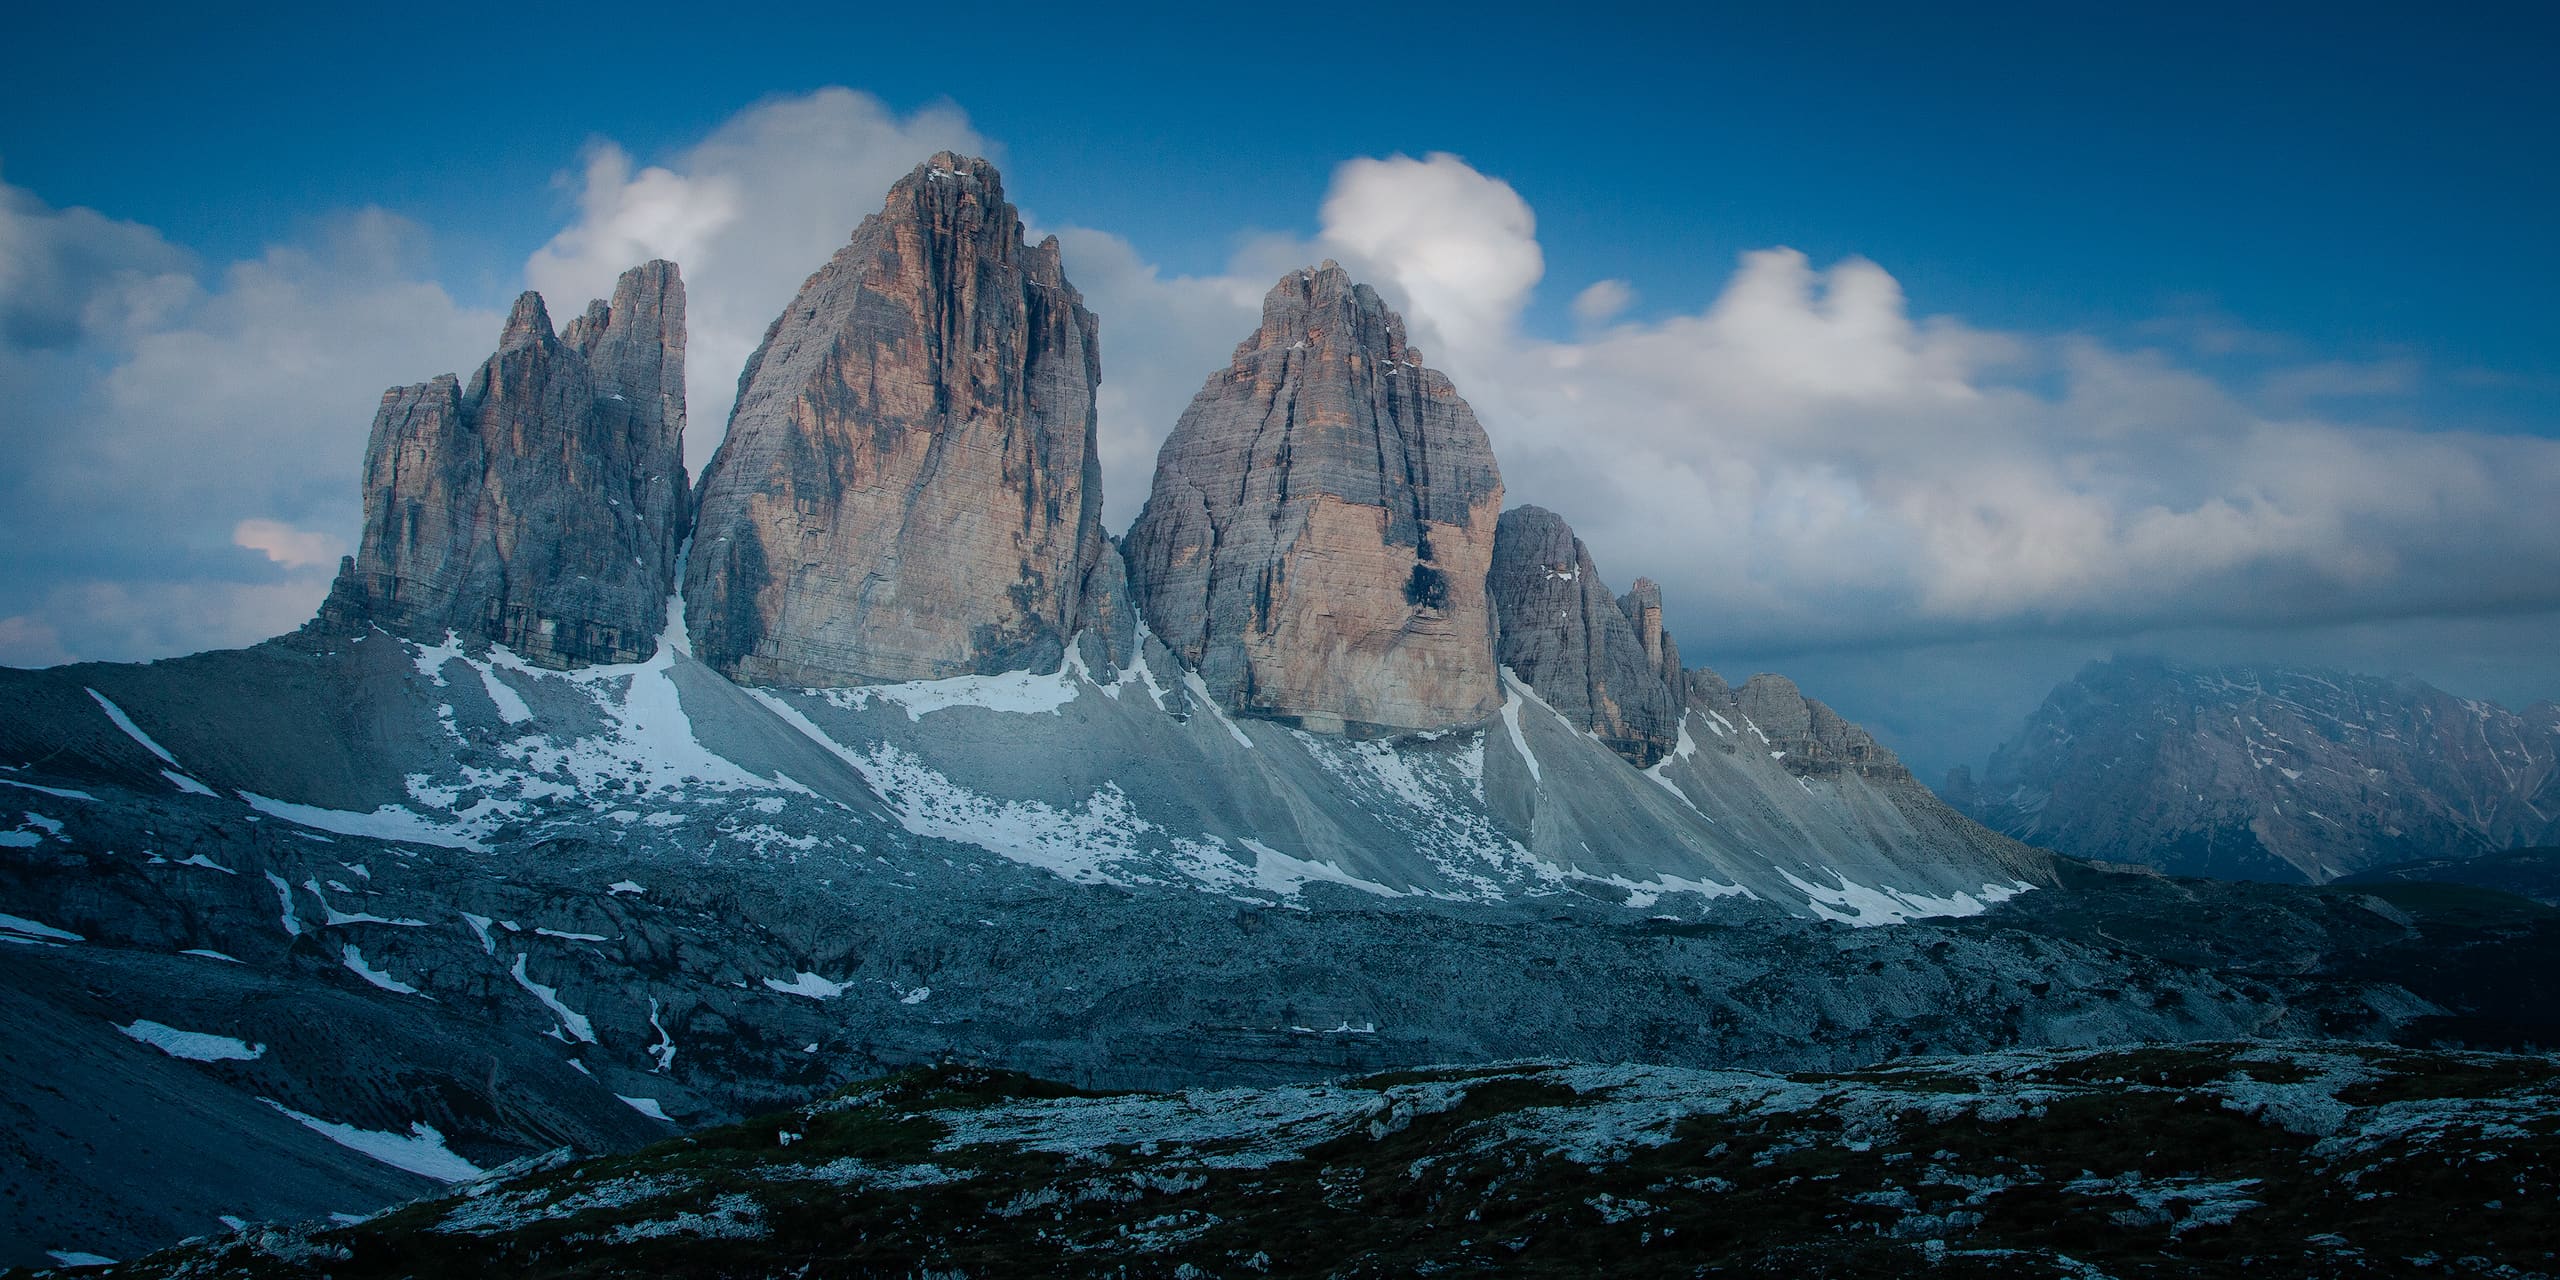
(1603,302)
(293,548)
(69,276)
(186,454)
(1459,247)
(746,214)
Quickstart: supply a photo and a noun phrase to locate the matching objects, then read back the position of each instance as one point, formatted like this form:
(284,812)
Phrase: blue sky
(2353,175)
(2335,212)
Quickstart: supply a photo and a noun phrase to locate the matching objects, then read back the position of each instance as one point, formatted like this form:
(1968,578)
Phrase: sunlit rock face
(542,507)
(1317,542)
(908,489)
(1563,635)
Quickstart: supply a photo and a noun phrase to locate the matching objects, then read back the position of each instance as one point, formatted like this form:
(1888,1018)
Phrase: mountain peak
(527,322)
(909,487)
(543,509)
(1322,524)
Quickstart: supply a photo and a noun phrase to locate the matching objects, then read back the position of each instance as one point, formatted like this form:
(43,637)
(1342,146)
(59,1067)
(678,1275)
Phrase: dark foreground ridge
(2189,1160)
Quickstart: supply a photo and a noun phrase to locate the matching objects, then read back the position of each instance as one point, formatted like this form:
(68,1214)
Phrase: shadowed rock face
(1322,523)
(908,489)
(1564,636)
(544,506)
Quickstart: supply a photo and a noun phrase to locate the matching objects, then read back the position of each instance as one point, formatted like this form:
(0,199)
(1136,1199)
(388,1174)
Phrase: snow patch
(1279,873)
(353,958)
(573,1022)
(1014,692)
(194,1046)
(59,793)
(646,1106)
(29,928)
(420,1151)
(173,773)
(1200,694)
(390,822)
(1863,907)
(802,984)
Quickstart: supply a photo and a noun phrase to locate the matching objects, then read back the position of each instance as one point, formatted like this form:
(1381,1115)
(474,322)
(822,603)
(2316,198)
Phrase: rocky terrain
(543,507)
(1322,522)
(908,489)
(2191,1160)
(2269,773)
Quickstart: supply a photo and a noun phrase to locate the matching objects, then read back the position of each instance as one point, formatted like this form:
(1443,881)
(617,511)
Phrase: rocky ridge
(2266,772)
(542,507)
(908,489)
(1322,522)
(1561,633)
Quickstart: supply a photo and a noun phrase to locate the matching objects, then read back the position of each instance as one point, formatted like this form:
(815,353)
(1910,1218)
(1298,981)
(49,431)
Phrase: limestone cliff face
(1322,523)
(1562,634)
(908,489)
(543,506)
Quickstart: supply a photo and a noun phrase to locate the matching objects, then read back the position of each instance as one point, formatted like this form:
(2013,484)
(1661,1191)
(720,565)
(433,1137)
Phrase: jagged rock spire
(543,506)
(1564,636)
(1322,521)
(909,488)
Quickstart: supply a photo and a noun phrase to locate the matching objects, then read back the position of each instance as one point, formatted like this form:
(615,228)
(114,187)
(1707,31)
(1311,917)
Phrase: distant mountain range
(2268,773)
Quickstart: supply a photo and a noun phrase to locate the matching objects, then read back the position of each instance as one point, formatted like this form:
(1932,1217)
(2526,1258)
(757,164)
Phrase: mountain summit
(543,507)
(1322,523)
(909,489)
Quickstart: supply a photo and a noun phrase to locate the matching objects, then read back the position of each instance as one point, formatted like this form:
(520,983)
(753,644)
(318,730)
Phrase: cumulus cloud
(293,548)
(746,214)
(1603,302)
(69,276)
(184,452)
(1460,248)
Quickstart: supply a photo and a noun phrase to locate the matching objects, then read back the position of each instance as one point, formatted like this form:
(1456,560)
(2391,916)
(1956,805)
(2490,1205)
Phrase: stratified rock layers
(1322,523)
(1563,634)
(542,508)
(908,489)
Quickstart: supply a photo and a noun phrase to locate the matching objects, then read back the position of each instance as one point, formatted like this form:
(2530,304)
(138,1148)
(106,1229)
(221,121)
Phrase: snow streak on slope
(420,1151)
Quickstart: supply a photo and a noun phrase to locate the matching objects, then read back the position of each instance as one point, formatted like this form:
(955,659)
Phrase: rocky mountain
(908,489)
(542,507)
(2273,773)
(1322,522)
(316,925)
(1561,633)
(2251,1159)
